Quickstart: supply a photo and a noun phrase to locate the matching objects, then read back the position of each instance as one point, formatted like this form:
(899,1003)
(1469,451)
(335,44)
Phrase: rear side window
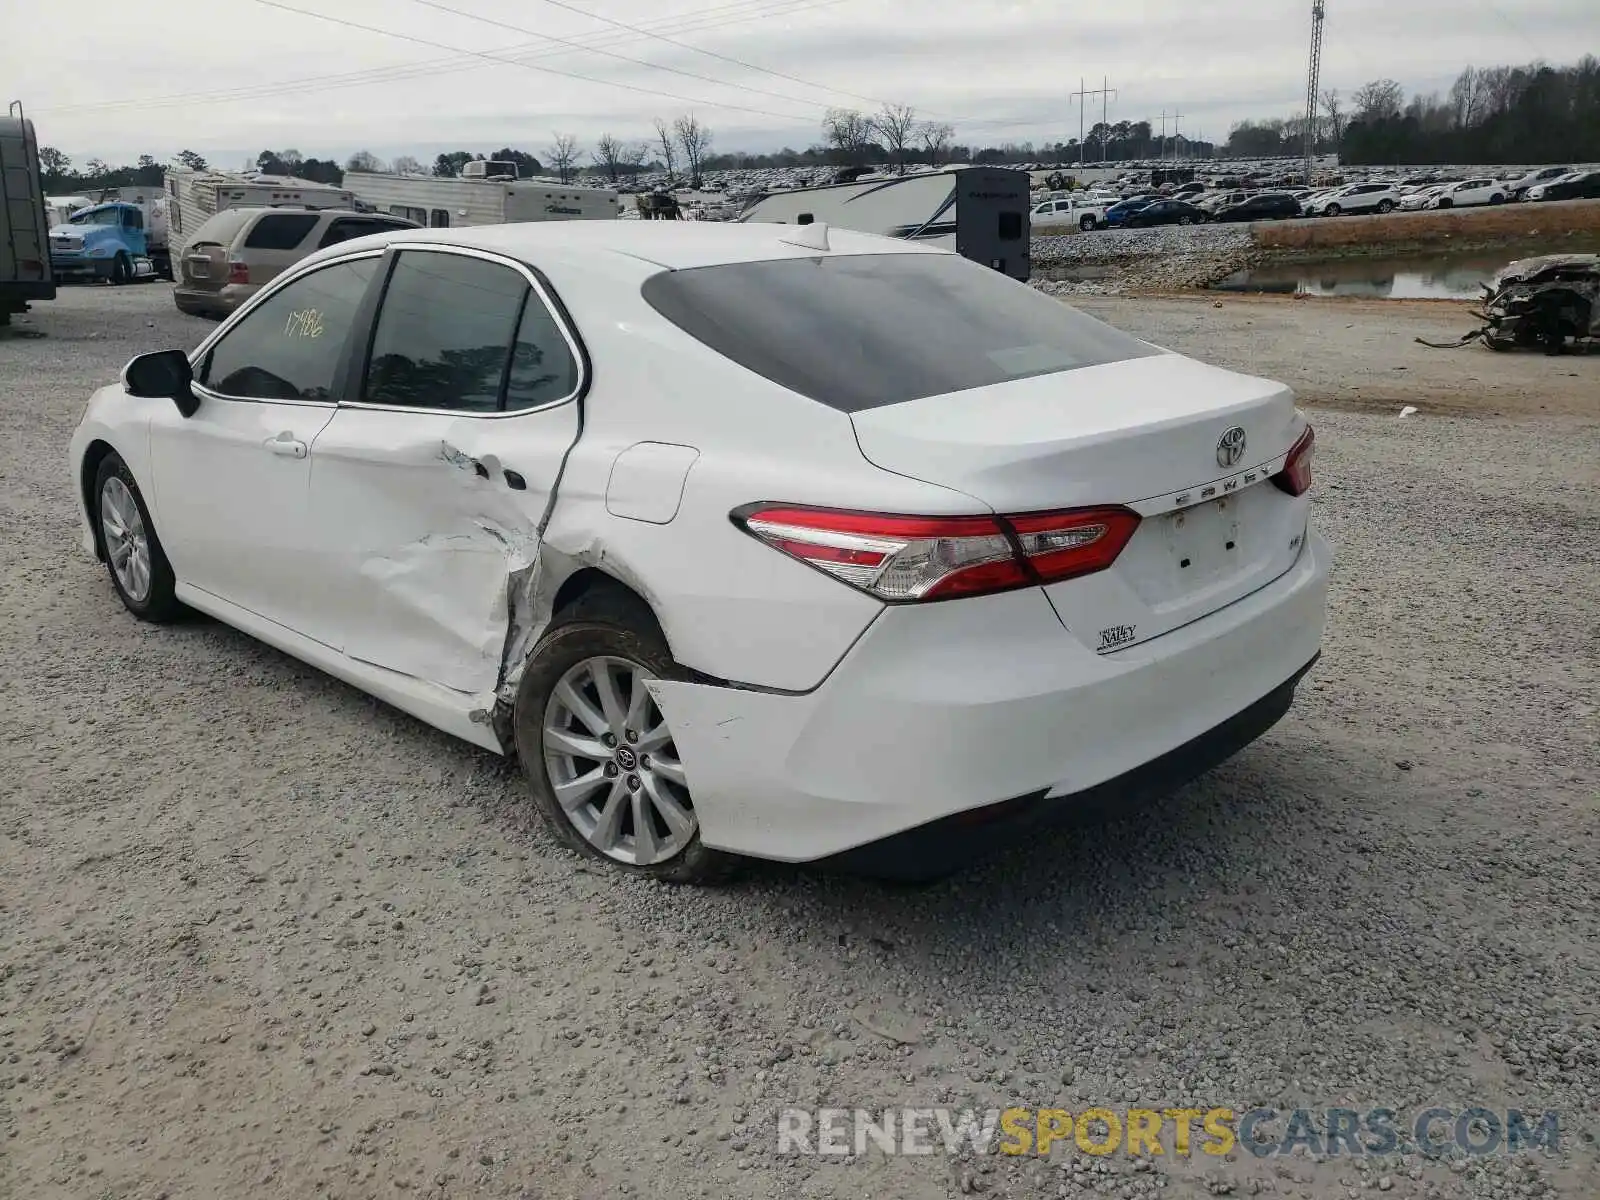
(861,331)
(468,335)
(346,228)
(280,231)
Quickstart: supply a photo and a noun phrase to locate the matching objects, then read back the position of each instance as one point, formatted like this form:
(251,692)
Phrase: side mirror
(163,375)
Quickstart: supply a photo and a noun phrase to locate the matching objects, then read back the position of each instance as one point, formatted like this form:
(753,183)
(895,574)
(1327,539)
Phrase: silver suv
(239,250)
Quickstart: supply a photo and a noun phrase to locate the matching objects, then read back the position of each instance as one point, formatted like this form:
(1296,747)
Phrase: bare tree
(631,160)
(848,133)
(695,141)
(895,124)
(363,160)
(935,138)
(1379,100)
(1466,97)
(608,153)
(1332,105)
(562,154)
(668,144)
(406,165)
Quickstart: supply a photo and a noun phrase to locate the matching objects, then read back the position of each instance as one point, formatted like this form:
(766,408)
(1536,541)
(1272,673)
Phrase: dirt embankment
(1574,221)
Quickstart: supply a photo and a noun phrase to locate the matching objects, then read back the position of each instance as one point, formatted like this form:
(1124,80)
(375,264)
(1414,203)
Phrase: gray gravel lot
(261,936)
(1164,258)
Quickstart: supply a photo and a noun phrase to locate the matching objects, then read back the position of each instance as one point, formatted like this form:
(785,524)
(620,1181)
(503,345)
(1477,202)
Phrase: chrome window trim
(539,290)
(260,298)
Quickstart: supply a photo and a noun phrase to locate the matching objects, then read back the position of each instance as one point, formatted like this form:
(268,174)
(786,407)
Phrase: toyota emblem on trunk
(1230,446)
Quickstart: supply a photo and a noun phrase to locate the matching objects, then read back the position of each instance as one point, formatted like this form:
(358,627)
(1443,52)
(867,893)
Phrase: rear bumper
(947,708)
(198,302)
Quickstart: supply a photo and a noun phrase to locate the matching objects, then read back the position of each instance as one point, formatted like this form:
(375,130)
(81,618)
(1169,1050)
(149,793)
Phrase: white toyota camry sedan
(748,540)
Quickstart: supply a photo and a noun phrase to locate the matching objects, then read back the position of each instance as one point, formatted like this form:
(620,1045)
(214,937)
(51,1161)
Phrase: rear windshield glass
(280,231)
(221,228)
(862,331)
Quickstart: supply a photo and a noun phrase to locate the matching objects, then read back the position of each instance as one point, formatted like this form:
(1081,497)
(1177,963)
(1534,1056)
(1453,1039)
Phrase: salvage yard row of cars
(699,523)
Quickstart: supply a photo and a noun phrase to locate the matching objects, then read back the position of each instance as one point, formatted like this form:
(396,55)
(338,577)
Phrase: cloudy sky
(231,77)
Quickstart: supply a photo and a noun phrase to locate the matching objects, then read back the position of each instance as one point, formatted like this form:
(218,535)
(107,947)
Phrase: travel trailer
(487,192)
(24,231)
(979,212)
(193,196)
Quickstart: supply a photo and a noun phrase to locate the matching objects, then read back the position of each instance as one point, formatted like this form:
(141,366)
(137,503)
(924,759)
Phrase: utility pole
(1176,117)
(1313,78)
(1082,95)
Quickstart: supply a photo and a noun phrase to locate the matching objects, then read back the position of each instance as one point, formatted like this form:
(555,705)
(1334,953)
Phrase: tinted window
(439,219)
(280,231)
(862,331)
(347,228)
(543,369)
(445,332)
(289,347)
(220,228)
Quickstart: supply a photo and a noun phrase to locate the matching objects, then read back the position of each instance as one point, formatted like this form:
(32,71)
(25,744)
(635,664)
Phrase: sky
(229,78)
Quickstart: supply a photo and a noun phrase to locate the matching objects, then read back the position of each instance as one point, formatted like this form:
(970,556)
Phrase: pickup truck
(1053,215)
(118,242)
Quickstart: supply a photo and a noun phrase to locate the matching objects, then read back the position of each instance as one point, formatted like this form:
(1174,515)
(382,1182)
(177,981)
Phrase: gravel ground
(261,936)
(1166,258)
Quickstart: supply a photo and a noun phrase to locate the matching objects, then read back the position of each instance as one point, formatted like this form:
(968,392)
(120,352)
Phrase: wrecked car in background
(746,539)
(1550,303)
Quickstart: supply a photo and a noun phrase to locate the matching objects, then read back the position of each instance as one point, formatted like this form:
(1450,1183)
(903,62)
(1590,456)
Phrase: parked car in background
(1356,198)
(1420,198)
(1216,201)
(1188,191)
(239,250)
(1263,206)
(1519,188)
(1579,185)
(1169,211)
(700,523)
(1468,193)
(1122,209)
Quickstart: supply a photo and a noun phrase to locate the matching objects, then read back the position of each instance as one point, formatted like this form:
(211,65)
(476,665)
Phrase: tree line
(1491,115)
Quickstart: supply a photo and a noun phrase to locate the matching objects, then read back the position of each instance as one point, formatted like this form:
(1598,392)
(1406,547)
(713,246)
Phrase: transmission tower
(1313,78)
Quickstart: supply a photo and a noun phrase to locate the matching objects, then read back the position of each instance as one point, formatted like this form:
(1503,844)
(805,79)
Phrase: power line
(638,62)
(632,87)
(727,58)
(712,17)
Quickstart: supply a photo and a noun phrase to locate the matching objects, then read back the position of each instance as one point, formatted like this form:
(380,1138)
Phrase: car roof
(671,245)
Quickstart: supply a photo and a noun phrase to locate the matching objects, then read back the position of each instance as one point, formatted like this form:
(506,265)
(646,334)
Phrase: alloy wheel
(127,541)
(613,766)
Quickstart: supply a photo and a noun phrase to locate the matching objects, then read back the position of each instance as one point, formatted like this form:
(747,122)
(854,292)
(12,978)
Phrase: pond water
(1439,277)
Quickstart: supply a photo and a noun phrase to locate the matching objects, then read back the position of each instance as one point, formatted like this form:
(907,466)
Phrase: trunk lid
(1146,433)
(205,266)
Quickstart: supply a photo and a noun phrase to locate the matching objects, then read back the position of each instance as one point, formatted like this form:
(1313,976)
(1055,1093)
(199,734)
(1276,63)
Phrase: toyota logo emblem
(1230,446)
(626,759)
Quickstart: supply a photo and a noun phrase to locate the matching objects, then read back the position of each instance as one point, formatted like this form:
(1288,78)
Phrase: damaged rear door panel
(430,491)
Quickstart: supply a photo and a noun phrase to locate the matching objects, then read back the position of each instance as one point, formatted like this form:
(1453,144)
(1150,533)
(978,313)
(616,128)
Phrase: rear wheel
(1385,207)
(1086,224)
(1185,221)
(139,569)
(600,758)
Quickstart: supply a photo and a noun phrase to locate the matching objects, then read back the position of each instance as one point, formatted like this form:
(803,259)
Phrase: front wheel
(600,758)
(121,269)
(1333,210)
(139,569)
(1497,198)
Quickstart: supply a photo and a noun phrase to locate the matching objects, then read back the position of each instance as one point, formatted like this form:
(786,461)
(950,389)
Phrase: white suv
(1469,192)
(1356,198)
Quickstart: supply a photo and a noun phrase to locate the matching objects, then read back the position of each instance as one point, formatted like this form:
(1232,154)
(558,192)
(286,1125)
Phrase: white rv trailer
(193,196)
(979,212)
(485,193)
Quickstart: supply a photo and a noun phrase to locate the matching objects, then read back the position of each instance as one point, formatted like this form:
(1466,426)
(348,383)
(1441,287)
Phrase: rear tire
(140,573)
(1086,224)
(556,717)
(1385,207)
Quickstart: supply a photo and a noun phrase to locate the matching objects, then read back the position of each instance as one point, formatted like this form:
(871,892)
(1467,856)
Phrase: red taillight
(898,558)
(238,272)
(1295,478)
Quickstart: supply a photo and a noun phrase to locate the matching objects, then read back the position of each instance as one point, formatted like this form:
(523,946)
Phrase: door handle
(286,445)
